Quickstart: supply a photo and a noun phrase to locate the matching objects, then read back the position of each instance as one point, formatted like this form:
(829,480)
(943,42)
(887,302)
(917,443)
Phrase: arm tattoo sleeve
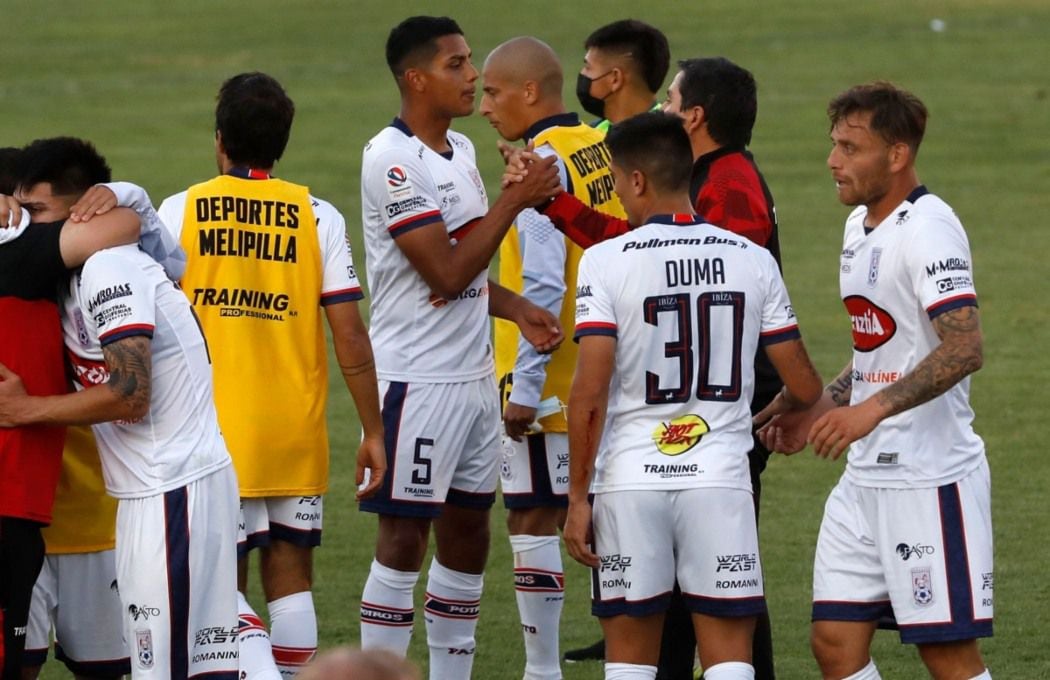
(129,361)
(841,388)
(958,355)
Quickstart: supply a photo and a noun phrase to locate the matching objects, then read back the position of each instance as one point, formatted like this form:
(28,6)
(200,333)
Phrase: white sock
(293,632)
(629,671)
(539,587)
(451,612)
(730,670)
(869,672)
(255,657)
(386,609)
(983,676)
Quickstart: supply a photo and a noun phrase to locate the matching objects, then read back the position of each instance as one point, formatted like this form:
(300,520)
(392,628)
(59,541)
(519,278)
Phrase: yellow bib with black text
(254,276)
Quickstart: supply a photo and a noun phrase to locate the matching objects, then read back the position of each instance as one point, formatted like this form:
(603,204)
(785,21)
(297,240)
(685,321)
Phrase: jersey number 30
(714,348)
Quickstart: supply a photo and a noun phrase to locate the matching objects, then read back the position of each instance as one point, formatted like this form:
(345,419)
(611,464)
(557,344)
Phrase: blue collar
(557,120)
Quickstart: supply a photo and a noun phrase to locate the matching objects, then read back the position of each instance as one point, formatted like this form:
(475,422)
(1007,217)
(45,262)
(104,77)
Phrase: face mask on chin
(591,104)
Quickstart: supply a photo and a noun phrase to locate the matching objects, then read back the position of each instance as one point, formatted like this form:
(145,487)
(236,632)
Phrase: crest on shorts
(680,434)
(144,645)
(922,586)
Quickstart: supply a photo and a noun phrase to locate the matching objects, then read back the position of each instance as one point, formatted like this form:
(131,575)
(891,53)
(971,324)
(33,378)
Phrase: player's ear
(531,91)
(900,156)
(694,119)
(639,182)
(617,79)
(414,79)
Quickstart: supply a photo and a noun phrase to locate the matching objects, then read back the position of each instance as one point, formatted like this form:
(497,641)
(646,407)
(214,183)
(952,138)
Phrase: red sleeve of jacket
(584,225)
(732,198)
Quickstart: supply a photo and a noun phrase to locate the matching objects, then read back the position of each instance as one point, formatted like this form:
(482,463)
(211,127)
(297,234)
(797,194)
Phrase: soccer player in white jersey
(907,532)
(669,317)
(144,381)
(429,236)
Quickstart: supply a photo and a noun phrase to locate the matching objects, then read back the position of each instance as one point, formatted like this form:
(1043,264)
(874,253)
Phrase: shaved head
(523,59)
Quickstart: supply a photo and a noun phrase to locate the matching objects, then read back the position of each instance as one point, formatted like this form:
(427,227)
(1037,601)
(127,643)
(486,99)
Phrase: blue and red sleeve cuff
(779,335)
(413,222)
(129,331)
(334,297)
(594,328)
(947,305)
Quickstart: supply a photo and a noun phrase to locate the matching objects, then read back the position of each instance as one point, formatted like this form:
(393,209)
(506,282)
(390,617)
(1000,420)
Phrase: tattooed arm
(959,354)
(125,396)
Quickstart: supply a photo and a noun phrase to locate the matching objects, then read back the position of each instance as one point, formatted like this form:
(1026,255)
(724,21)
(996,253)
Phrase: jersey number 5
(714,349)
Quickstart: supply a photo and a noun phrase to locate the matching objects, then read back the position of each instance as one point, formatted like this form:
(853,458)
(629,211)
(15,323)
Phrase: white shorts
(76,596)
(442,446)
(295,519)
(921,558)
(177,577)
(535,471)
(705,537)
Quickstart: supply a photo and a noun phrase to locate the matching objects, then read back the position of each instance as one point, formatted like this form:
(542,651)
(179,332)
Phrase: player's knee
(960,659)
(832,653)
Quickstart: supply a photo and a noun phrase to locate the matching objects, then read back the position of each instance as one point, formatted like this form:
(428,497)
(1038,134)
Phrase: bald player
(522,84)
(346,663)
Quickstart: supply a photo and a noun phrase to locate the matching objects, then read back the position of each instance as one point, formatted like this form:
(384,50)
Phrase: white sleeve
(941,266)
(154,238)
(172,212)
(543,283)
(339,278)
(399,187)
(595,314)
(778,316)
(116,297)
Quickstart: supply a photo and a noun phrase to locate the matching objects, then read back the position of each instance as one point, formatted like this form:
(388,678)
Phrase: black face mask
(590,103)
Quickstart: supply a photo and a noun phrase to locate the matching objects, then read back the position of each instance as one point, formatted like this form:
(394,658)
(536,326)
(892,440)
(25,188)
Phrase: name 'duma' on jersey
(872,325)
(236,241)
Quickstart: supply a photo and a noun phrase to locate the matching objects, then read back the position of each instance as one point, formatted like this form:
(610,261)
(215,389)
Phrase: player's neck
(628,104)
(430,127)
(670,204)
(883,207)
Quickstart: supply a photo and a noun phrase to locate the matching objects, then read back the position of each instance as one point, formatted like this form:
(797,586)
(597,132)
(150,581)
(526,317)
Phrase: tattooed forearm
(958,355)
(129,361)
(841,388)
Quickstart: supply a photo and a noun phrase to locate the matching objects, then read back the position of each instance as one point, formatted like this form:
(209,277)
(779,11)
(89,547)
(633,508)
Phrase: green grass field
(139,79)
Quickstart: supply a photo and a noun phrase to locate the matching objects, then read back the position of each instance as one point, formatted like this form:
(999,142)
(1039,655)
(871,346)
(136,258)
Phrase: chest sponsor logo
(846,260)
(677,436)
(872,325)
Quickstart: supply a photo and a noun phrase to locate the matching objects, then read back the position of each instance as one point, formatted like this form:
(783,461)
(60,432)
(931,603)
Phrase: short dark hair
(70,165)
(727,93)
(254,116)
(656,144)
(896,115)
(646,45)
(415,39)
(9,159)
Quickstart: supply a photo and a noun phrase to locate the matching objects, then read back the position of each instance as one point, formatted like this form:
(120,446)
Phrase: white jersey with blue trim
(894,280)
(119,293)
(689,304)
(418,336)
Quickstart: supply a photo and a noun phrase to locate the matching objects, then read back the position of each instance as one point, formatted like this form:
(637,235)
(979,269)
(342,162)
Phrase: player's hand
(12,396)
(11,212)
(541,328)
(784,428)
(98,200)
(838,428)
(579,534)
(371,455)
(539,183)
(516,160)
(517,419)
